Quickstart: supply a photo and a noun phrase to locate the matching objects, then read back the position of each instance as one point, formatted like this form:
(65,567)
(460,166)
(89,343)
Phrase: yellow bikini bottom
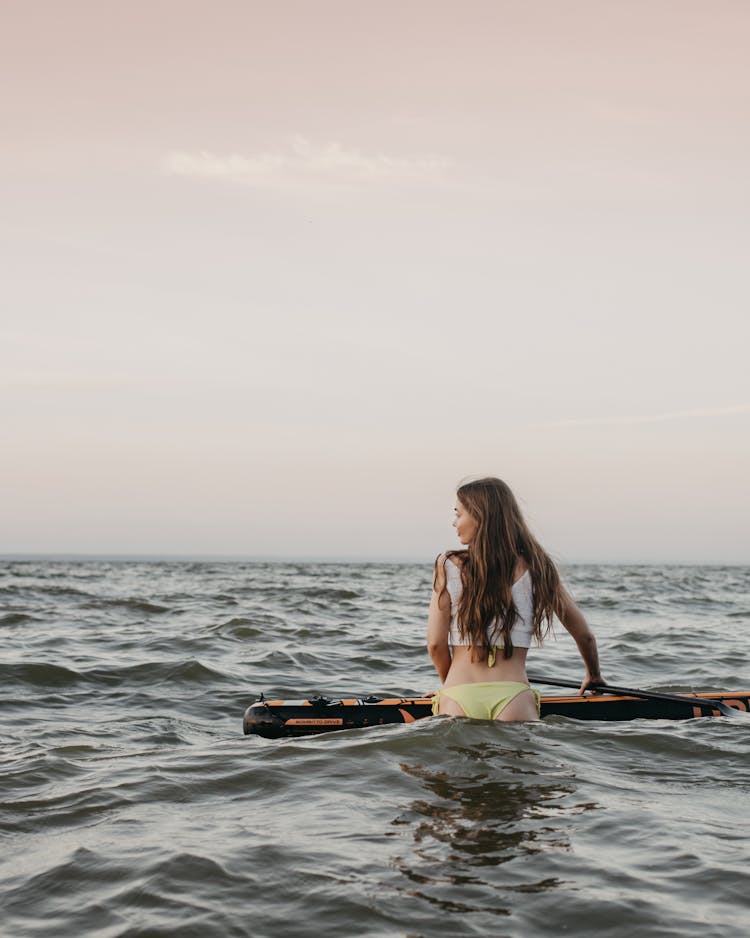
(483,700)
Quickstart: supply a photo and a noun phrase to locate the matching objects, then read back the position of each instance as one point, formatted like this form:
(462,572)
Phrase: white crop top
(521,633)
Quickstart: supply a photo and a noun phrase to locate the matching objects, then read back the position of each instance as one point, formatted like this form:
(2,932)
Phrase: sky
(276,277)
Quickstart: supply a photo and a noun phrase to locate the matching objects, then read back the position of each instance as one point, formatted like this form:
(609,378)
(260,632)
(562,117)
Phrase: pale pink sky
(278,275)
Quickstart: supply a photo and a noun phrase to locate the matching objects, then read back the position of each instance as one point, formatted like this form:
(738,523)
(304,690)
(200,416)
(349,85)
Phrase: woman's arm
(439,622)
(573,620)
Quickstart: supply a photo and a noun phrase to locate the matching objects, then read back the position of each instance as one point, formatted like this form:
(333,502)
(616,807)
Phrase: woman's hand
(591,682)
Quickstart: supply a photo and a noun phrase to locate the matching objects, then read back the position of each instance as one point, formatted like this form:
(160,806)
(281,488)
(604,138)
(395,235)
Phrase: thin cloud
(304,165)
(653,418)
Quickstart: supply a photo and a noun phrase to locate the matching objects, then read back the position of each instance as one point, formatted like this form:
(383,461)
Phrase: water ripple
(131,805)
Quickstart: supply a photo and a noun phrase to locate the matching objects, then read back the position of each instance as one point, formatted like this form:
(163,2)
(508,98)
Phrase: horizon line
(82,557)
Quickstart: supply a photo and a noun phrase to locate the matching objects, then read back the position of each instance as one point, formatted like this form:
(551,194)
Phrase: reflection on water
(473,837)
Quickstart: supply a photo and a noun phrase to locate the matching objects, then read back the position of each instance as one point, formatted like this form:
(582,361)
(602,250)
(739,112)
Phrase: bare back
(465,671)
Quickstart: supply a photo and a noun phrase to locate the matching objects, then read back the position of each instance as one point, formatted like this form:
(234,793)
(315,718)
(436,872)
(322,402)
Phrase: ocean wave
(17,618)
(239,627)
(38,674)
(45,674)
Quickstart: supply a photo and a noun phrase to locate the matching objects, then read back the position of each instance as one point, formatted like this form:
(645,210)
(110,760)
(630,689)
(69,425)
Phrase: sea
(132,805)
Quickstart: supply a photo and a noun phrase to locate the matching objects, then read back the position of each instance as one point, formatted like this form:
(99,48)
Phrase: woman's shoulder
(454,562)
(447,567)
(455,558)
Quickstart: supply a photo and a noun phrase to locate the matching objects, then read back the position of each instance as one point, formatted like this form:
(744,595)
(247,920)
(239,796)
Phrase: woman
(488,603)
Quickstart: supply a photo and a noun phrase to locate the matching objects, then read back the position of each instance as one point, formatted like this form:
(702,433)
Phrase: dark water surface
(132,805)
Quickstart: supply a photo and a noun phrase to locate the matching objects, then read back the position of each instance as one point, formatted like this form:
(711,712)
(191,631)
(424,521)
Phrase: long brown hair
(487,569)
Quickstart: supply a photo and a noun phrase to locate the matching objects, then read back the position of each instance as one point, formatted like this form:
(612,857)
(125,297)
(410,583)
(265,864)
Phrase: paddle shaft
(702,702)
